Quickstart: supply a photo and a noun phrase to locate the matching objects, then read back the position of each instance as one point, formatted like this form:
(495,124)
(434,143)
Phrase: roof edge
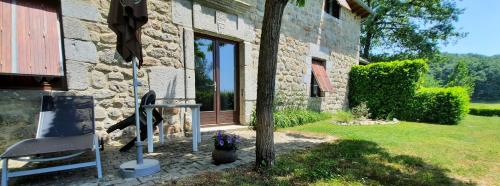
(360,8)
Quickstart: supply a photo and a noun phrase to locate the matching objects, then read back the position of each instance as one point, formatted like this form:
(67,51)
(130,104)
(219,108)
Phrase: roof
(357,7)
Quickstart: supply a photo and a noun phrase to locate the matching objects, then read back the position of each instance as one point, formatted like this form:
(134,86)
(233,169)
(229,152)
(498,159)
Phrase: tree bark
(268,57)
(367,45)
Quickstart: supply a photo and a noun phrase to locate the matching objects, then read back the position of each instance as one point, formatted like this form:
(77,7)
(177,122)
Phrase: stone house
(195,51)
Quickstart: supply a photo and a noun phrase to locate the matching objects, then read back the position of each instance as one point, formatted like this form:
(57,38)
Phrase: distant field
(485,109)
(493,105)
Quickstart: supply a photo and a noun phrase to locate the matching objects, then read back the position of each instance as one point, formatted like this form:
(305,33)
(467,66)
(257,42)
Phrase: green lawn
(485,105)
(468,151)
(404,154)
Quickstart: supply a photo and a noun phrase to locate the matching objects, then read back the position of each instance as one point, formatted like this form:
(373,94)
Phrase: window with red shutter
(319,79)
(30,46)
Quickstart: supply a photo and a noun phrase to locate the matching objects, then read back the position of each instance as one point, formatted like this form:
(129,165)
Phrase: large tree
(268,57)
(408,28)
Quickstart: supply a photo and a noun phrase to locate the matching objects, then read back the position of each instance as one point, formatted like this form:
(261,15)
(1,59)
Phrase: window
(320,83)
(315,90)
(332,7)
(30,44)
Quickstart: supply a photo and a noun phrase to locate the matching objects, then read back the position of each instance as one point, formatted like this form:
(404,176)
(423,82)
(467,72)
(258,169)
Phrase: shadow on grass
(357,161)
(344,162)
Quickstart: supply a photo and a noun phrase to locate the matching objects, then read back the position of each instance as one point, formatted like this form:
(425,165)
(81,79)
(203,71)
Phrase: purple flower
(229,139)
(219,136)
(221,143)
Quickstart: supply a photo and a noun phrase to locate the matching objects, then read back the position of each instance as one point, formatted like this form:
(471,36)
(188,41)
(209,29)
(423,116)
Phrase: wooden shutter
(38,38)
(30,42)
(5,36)
(319,72)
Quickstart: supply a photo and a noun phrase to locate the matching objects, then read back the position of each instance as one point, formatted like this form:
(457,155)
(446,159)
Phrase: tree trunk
(268,57)
(367,45)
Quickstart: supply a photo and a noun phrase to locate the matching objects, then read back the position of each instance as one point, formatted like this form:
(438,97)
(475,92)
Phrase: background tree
(484,70)
(268,57)
(407,28)
(461,77)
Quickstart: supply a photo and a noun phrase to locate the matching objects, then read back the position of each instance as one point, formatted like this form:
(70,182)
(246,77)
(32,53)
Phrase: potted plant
(225,148)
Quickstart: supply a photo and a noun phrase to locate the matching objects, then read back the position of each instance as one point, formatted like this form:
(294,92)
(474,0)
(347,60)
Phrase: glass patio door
(216,79)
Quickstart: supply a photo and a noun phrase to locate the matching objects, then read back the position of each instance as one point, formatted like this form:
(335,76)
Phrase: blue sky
(481,20)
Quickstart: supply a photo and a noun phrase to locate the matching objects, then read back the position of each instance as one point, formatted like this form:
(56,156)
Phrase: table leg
(194,127)
(149,121)
(162,133)
(198,124)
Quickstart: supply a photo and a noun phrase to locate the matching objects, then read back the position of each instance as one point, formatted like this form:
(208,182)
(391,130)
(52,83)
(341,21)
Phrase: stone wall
(109,78)
(94,68)
(307,33)
(18,116)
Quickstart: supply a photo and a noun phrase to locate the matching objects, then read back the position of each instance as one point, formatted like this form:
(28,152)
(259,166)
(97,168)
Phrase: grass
(470,150)
(343,116)
(485,105)
(404,154)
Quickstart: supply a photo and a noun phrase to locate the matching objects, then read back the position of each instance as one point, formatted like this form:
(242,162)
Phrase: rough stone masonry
(92,67)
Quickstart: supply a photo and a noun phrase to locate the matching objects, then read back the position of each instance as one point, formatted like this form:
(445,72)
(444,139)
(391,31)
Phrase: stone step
(212,129)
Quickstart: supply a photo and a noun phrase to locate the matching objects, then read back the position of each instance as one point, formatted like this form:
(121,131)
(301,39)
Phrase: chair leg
(97,158)
(5,171)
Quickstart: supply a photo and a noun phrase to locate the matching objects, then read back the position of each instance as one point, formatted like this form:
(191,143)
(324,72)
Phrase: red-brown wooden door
(216,79)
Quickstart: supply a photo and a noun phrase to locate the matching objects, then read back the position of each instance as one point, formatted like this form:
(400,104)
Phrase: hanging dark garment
(125,18)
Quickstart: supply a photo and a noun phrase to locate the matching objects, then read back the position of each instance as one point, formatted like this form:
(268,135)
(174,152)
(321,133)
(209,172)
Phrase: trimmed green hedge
(484,112)
(294,117)
(440,105)
(485,109)
(385,87)
(393,89)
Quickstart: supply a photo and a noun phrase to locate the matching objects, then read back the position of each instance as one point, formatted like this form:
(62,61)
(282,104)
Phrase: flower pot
(224,156)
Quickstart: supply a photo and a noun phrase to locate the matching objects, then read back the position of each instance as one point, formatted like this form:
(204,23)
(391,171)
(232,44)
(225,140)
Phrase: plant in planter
(225,148)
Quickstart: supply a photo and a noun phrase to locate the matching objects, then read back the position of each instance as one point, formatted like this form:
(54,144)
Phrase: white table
(195,122)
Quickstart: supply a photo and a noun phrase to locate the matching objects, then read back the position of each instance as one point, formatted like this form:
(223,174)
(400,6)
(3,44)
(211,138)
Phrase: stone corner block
(75,29)
(84,51)
(77,75)
(80,9)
